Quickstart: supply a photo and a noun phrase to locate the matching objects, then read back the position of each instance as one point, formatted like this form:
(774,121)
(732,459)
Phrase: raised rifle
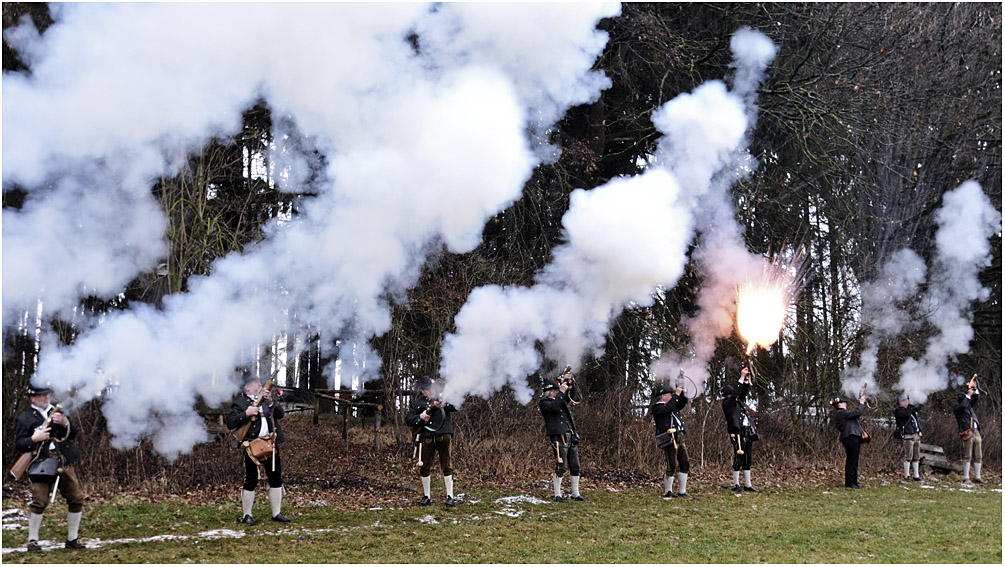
(26,458)
(571,383)
(861,393)
(241,432)
(749,363)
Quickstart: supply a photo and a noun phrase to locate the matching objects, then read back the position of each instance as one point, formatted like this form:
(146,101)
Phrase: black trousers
(852,446)
(275,477)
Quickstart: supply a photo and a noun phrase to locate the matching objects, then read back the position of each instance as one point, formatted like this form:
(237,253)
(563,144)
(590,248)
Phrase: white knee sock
(966,470)
(907,468)
(276,500)
(575,485)
(556,481)
(247,501)
(915,465)
(425,485)
(667,483)
(736,478)
(34,524)
(746,477)
(72,525)
(977,471)
(448,482)
(682,482)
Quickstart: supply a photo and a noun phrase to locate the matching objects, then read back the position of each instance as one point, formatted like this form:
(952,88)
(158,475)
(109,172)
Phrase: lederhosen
(271,413)
(434,435)
(560,427)
(666,417)
(740,427)
(966,418)
(910,427)
(61,446)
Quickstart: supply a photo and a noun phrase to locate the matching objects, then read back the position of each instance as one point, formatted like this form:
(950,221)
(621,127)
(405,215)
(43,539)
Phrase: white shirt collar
(45,411)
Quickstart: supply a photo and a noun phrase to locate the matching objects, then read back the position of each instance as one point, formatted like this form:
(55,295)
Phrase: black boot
(426,501)
(281,518)
(248,520)
(74,544)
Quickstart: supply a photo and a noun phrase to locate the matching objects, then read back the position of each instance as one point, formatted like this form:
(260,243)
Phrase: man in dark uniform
(560,428)
(264,420)
(666,415)
(429,419)
(846,421)
(741,429)
(909,429)
(969,429)
(54,440)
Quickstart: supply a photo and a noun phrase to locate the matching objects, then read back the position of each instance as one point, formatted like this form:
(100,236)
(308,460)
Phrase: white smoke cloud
(623,240)
(706,143)
(966,220)
(752,53)
(421,146)
(885,315)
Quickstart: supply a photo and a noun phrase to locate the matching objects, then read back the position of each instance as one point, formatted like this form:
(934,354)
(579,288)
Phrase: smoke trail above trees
(623,240)
(421,111)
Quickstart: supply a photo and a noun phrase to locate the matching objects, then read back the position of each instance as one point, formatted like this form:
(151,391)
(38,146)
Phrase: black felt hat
(548,384)
(425,383)
(34,390)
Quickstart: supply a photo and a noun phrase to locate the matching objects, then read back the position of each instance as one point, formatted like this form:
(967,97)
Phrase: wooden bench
(934,457)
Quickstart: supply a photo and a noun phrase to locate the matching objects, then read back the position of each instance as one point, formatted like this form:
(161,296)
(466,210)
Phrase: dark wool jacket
(964,411)
(667,415)
(270,411)
(907,419)
(439,418)
(846,421)
(24,427)
(557,415)
(734,408)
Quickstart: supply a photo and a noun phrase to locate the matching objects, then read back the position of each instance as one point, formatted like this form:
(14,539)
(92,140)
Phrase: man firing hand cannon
(741,428)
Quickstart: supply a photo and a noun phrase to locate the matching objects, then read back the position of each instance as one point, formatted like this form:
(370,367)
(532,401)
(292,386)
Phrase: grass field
(890,522)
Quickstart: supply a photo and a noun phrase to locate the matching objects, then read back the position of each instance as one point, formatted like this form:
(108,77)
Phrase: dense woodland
(870,113)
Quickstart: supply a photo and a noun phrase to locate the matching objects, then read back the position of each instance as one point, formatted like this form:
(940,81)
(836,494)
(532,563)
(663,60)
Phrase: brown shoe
(33,546)
(74,544)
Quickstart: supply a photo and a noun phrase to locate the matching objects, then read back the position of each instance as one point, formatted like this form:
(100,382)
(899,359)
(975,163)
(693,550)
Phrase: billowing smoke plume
(623,240)
(885,314)
(421,111)
(966,221)
(721,254)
